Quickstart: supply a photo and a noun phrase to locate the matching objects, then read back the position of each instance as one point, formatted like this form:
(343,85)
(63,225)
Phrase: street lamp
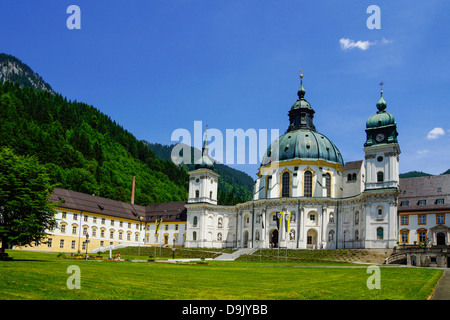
(87,241)
(173,248)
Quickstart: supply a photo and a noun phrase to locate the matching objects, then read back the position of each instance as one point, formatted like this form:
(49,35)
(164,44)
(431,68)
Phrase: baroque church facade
(305,196)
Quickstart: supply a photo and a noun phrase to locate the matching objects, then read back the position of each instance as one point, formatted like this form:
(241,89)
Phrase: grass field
(42,276)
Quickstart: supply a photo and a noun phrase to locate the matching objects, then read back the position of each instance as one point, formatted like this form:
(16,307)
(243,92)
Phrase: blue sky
(155,66)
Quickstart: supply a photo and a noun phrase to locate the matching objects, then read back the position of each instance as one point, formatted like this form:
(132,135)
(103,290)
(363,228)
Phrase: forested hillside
(234,186)
(83,149)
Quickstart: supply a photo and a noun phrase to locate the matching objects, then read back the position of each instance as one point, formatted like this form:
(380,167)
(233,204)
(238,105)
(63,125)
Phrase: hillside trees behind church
(83,149)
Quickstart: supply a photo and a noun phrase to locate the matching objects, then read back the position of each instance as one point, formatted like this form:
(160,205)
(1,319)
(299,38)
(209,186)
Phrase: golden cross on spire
(301,73)
(381,86)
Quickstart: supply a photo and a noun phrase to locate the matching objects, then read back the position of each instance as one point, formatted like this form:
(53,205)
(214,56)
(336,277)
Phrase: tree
(26,211)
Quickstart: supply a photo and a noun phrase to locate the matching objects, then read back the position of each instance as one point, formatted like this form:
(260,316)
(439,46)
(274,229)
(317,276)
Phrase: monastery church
(305,196)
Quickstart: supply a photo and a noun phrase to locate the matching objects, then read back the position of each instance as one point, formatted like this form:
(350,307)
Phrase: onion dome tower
(203,181)
(381,148)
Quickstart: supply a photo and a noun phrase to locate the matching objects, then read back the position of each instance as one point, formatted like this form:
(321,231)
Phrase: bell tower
(381,149)
(203,181)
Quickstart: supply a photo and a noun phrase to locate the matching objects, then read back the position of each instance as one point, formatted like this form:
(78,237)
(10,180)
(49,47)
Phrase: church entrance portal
(245,242)
(274,239)
(311,239)
(440,239)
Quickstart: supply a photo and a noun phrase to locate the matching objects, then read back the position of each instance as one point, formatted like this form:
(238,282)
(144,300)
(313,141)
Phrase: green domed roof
(303,144)
(380,119)
(204,161)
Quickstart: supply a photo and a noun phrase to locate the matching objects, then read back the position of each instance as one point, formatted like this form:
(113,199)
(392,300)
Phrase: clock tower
(381,149)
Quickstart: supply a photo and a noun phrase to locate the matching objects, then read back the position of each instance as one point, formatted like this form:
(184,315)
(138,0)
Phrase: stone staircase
(235,255)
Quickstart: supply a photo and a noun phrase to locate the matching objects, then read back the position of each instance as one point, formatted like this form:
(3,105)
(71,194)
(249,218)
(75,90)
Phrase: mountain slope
(234,186)
(83,149)
(14,70)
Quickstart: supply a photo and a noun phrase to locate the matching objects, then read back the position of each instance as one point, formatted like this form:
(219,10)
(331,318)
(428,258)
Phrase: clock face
(379,137)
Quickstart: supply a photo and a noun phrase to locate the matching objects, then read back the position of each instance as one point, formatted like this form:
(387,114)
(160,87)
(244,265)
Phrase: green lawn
(43,276)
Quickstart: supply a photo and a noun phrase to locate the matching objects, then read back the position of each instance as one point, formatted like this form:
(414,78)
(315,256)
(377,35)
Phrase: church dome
(302,141)
(204,162)
(381,118)
(303,144)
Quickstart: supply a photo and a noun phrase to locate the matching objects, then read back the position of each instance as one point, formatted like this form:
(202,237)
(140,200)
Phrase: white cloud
(435,133)
(347,44)
(423,151)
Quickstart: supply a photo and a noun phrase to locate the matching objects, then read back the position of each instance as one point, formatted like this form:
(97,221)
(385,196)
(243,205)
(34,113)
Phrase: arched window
(380,176)
(357,217)
(349,177)
(194,223)
(197,193)
(380,233)
(307,184)
(354,177)
(285,185)
(331,220)
(328,184)
(356,235)
(210,194)
(194,236)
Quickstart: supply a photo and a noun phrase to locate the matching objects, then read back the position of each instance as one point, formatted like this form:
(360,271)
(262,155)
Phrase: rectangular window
(61,244)
(422,236)
(64,214)
(86,218)
(404,220)
(404,203)
(103,220)
(128,236)
(405,237)
(176,227)
(312,217)
(49,243)
(285,184)
(111,234)
(440,219)
(74,230)
(94,219)
(423,219)
(73,244)
(101,243)
(121,224)
(75,216)
(94,232)
(166,227)
(85,231)
(112,222)
(63,228)
(439,201)
(422,202)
